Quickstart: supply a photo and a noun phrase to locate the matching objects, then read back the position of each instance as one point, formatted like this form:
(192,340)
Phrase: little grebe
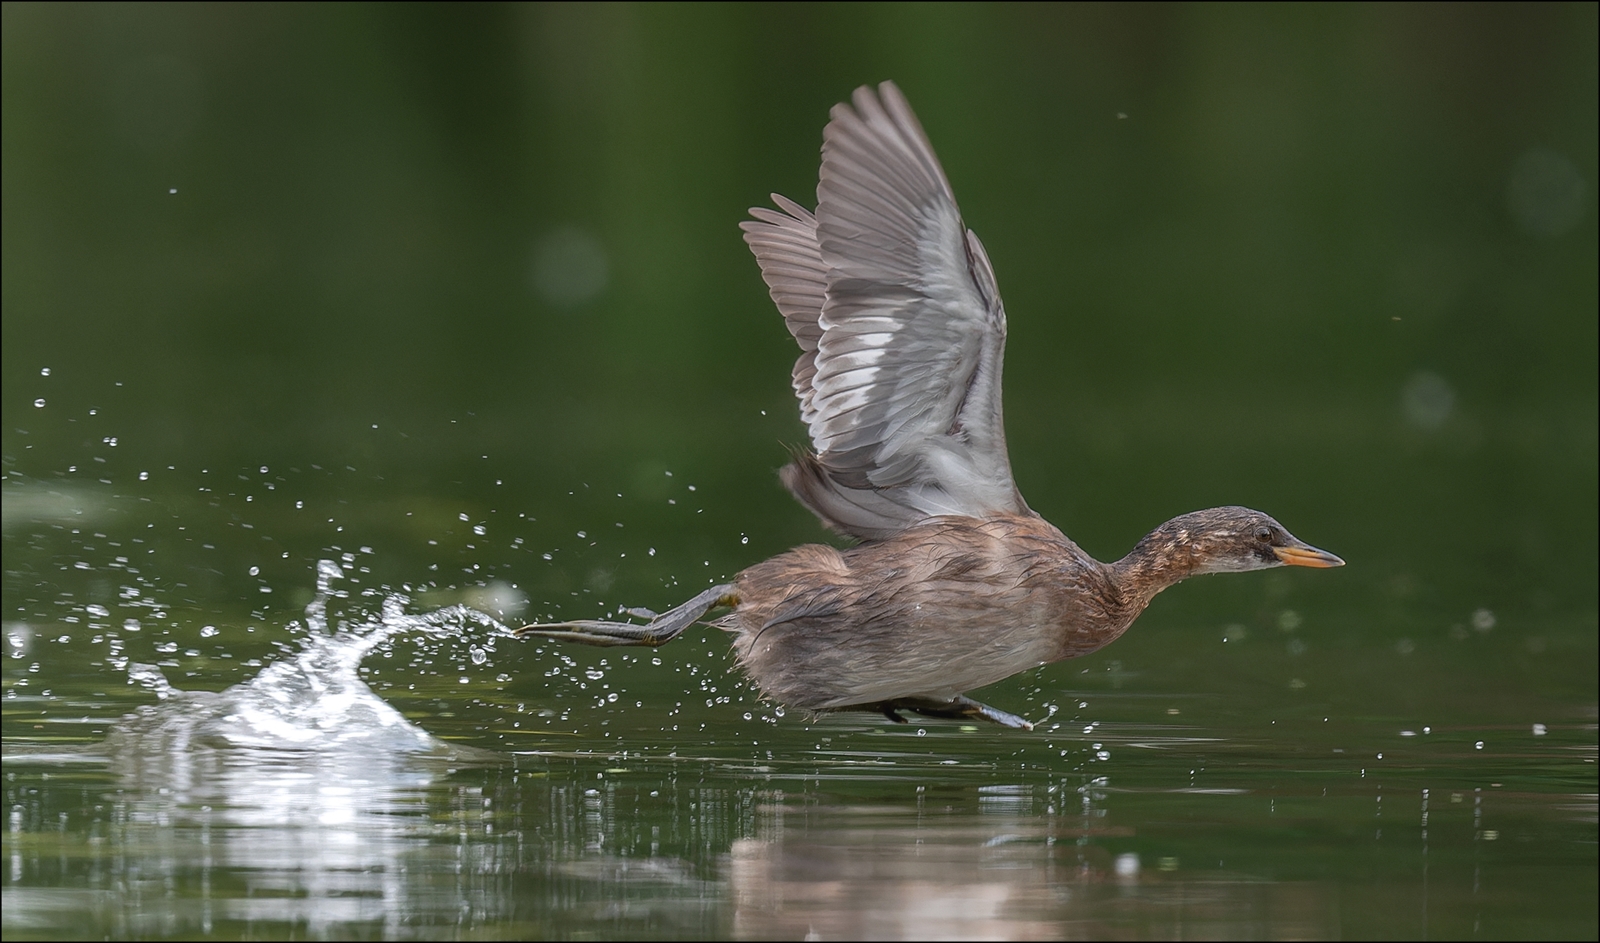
(956,582)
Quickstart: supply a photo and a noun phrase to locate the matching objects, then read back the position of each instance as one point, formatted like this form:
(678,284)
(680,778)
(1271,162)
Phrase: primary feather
(901,330)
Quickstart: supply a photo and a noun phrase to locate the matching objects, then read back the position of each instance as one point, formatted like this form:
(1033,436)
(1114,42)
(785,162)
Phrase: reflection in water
(267,838)
(193,835)
(294,799)
(301,804)
(1025,867)
(996,879)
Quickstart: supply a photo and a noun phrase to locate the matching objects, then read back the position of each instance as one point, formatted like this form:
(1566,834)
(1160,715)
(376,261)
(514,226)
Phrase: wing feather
(894,304)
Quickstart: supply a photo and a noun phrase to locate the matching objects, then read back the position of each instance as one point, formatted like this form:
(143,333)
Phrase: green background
(1286,257)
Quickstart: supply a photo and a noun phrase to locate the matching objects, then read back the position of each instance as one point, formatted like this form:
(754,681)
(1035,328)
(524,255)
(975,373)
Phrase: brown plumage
(956,583)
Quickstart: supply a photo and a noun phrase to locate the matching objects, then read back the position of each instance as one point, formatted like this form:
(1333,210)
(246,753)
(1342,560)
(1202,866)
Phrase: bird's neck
(1162,558)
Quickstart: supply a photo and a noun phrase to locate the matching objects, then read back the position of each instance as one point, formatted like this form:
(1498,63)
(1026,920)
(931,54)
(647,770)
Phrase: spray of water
(314,699)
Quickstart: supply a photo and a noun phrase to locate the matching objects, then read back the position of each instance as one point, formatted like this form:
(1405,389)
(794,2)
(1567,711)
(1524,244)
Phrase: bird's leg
(658,631)
(959,707)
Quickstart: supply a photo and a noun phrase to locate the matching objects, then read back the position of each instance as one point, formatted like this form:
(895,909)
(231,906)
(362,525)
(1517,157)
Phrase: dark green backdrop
(1337,262)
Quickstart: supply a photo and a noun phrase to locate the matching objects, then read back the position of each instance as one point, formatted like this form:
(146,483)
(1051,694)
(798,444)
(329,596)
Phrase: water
(559,803)
(339,340)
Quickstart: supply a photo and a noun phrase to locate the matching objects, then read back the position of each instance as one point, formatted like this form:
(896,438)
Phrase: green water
(457,301)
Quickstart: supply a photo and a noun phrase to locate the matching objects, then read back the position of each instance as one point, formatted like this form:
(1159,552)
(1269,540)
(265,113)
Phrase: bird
(954,583)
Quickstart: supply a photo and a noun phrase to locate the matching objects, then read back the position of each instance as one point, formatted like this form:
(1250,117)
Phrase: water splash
(314,699)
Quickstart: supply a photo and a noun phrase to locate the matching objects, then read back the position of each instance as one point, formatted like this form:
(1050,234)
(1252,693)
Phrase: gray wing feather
(894,305)
(785,246)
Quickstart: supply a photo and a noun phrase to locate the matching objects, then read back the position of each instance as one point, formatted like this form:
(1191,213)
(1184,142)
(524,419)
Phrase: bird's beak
(1306,556)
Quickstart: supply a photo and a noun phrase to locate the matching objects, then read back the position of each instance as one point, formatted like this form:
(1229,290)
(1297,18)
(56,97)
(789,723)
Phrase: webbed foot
(658,631)
(959,707)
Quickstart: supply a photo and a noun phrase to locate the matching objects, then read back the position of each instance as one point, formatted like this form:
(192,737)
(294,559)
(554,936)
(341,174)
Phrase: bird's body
(956,583)
(947,578)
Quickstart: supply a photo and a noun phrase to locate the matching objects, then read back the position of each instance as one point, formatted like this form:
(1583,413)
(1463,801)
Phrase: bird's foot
(660,630)
(959,707)
(602,634)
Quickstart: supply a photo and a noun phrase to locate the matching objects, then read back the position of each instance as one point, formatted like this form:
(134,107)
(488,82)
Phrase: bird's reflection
(1000,874)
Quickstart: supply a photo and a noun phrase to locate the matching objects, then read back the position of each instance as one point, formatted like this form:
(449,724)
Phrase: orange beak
(1306,556)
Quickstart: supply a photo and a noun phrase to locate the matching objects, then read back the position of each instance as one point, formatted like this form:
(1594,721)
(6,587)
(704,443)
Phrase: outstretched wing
(894,305)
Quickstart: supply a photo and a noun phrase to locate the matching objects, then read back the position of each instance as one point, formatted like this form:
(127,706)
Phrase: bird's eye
(1264,535)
